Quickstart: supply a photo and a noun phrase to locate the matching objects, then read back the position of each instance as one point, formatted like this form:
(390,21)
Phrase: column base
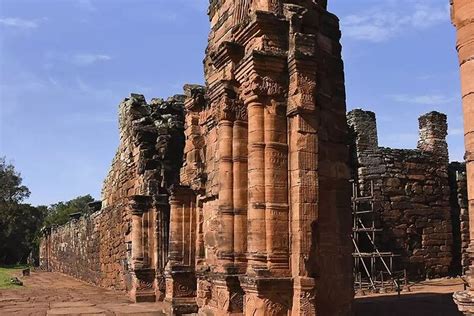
(181,290)
(304,298)
(465,302)
(267,295)
(220,294)
(182,306)
(143,286)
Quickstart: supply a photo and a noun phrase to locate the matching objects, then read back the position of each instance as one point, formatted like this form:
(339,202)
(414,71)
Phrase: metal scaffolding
(373,269)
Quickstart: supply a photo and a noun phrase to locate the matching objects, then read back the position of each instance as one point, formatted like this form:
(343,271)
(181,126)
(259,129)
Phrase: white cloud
(19,23)
(433,99)
(89,59)
(383,22)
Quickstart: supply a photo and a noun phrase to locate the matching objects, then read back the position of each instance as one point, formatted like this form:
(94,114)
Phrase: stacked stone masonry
(416,210)
(459,216)
(234,198)
(266,152)
(124,244)
(246,211)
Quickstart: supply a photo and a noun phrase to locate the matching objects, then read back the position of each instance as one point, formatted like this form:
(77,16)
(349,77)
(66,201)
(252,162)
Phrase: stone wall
(412,194)
(124,245)
(91,248)
(259,222)
(460,217)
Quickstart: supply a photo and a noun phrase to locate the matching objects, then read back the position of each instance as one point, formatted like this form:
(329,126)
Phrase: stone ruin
(234,198)
(124,244)
(246,211)
(419,196)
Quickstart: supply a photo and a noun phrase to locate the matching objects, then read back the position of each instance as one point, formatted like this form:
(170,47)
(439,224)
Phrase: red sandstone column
(144,276)
(463,19)
(240,189)
(138,207)
(226,200)
(276,188)
(176,247)
(137,243)
(256,242)
(179,272)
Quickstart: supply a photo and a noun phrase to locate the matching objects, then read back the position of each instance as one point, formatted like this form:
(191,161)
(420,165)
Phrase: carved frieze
(264,87)
(231,109)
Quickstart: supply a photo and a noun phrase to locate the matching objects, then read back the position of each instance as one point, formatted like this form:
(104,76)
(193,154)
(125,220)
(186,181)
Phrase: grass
(6,273)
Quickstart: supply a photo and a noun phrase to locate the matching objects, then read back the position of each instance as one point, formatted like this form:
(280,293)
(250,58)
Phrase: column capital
(139,204)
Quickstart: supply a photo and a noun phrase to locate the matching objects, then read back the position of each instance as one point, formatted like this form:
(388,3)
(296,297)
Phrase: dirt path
(47,293)
(429,298)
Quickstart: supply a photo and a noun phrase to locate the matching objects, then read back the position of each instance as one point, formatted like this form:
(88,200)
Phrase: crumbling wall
(99,248)
(411,192)
(460,217)
(91,248)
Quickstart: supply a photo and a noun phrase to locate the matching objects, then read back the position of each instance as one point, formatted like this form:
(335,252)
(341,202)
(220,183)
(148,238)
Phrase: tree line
(21,223)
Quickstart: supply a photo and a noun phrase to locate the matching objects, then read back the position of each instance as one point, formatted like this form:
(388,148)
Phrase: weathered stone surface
(460,216)
(266,157)
(462,14)
(411,190)
(124,243)
(258,216)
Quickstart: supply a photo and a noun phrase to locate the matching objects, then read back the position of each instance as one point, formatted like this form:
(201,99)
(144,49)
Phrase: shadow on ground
(422,304)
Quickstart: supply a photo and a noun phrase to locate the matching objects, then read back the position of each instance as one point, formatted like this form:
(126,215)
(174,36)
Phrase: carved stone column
(276,188)
(162,210)
(463,20)
(180,270)
(240,152)
(144,276)
(256,238)
(267,285)
(226,184)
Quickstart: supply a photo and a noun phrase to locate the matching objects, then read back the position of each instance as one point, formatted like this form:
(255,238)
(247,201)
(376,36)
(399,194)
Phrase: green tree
(19,223)
(59,213)
(11,190)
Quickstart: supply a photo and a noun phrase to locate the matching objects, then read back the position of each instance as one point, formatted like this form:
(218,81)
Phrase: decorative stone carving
(263,86)
(247,175)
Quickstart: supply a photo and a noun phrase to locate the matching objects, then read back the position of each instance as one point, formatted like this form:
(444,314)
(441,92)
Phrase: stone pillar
(226,188)
(433,132)
(240,152)
(144,276)
(179,273)
(160,250)
(364,126)
(276,188)
(256,238)
(267,285)
(462,14)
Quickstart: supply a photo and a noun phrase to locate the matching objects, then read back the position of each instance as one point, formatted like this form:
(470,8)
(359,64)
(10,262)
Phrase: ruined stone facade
(259,222)
(412,193)
(124,245)
(234,197)
(266,160)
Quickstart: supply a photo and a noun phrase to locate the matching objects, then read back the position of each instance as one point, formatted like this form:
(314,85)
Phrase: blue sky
(66,64)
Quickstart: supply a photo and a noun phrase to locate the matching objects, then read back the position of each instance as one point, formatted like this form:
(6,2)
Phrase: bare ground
(428,298)
(47,293)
